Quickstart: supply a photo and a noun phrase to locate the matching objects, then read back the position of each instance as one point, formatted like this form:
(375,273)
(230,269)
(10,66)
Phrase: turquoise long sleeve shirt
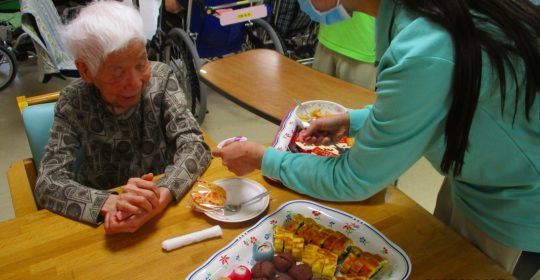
(499,187)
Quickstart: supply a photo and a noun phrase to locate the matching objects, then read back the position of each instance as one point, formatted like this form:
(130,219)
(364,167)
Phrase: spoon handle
(301,106)
(256,197)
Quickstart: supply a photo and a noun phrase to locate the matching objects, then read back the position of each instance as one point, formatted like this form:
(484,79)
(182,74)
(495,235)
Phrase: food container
(315,109)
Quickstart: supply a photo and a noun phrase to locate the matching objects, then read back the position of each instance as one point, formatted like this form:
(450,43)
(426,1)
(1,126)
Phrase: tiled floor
(225,119)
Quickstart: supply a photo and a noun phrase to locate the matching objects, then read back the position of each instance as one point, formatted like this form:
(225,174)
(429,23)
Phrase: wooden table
(266,83)
(43,245)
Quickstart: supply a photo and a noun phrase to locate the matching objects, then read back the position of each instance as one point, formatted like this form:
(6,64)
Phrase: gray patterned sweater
(158,135)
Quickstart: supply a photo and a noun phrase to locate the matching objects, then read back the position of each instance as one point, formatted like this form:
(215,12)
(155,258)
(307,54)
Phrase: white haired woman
(128,117)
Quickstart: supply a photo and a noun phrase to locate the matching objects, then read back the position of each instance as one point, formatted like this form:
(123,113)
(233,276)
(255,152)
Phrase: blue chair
(38,115)
(38,121)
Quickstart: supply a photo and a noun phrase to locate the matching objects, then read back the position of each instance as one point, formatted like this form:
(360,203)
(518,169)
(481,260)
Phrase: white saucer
(238,190)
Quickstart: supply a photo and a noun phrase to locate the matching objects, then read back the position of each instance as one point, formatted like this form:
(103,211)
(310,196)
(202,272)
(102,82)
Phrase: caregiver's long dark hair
(520,21)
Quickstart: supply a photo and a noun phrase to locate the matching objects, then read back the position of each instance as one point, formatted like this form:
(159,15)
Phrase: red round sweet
(240,273)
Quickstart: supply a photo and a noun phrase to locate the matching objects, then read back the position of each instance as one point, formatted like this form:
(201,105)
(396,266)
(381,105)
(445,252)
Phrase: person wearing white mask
(334,15)
(459,83)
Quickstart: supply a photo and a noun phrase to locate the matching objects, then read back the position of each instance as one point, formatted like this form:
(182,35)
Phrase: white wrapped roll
(177,242)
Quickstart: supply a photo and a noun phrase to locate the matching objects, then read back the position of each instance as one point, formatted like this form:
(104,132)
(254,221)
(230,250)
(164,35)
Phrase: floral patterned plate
(363,235)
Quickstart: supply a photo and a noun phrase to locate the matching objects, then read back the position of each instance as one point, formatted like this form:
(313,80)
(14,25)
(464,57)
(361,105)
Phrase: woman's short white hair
(100,29)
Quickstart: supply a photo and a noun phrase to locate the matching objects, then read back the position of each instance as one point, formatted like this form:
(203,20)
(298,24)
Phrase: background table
(266,83)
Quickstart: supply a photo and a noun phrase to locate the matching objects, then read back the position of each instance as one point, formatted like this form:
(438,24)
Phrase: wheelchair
(42,23)
(204,31)
(14,43)
(296,30)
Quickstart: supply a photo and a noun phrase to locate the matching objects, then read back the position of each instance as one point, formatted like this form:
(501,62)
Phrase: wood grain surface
(266,83)
(44,245)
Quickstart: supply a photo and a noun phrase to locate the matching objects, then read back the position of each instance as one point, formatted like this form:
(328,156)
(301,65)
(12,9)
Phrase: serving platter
(363,235)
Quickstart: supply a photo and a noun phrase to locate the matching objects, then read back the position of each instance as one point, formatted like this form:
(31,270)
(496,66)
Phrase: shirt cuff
(174,194)
(271,162)
(357,118)
(100,219)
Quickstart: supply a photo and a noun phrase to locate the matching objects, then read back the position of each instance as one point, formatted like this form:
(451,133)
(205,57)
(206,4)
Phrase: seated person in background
(128,117)
(173,6)
(172,16)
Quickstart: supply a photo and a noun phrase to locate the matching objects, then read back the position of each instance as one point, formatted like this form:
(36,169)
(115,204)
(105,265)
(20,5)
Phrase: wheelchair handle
(211,9)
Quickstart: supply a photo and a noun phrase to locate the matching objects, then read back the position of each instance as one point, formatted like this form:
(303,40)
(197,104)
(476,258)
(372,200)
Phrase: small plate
(363,235)
(238,190)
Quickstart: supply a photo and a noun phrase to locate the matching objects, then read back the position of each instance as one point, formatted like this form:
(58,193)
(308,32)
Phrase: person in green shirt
(346,50)
(458,82)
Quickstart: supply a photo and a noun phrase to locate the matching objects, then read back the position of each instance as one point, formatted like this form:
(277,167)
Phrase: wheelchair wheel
(8,67)
(178,57)
(259,37)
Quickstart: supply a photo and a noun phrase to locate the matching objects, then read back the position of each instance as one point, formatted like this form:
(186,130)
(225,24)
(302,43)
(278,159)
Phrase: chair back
(38,115)
(38,120)
(214,40)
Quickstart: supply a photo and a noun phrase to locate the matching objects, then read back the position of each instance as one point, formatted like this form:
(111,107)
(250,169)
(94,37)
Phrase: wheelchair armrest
(21,177)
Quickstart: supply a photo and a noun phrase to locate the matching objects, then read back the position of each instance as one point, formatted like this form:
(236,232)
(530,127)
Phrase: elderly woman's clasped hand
(140,200)
(139,195)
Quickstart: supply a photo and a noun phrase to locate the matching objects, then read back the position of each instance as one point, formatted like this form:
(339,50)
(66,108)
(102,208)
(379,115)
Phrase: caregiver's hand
(241,157)
(327,130)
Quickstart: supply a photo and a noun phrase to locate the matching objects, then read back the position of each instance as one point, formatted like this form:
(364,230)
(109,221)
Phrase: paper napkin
(180,241)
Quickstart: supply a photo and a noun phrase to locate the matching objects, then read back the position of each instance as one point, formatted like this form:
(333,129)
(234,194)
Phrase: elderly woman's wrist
(109,205)
(165,195)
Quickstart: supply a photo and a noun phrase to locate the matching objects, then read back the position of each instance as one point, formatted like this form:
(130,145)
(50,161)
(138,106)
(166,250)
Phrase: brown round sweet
(264,269)
(283,277)
(300,272)
(283,261)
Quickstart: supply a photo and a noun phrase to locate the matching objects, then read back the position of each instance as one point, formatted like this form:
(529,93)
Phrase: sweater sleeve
(56,188)
(412,102)
(357,119)
(192,155)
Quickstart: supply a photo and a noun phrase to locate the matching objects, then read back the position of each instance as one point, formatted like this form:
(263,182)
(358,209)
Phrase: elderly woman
(128,118)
